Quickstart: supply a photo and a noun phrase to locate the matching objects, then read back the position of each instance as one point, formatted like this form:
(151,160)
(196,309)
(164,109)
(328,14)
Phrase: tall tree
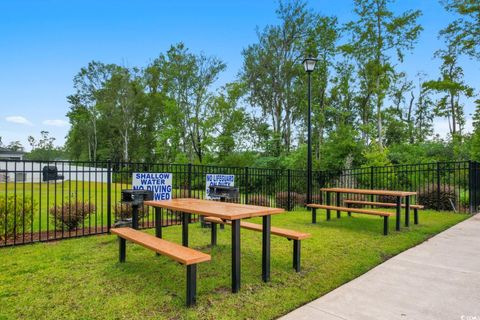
(186,79)
(87,84)
(465,30)
(271,68)
(376,36)
(451,88)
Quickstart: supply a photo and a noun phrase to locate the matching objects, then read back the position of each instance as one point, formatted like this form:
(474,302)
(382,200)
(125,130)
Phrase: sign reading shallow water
(159,183)
(227,180)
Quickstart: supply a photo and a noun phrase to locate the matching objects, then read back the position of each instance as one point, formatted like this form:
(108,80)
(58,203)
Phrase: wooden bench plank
(381,204)
(181,254)
(286,233)
(354,210)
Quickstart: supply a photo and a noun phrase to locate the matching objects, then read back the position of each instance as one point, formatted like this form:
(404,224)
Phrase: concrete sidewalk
(438,279)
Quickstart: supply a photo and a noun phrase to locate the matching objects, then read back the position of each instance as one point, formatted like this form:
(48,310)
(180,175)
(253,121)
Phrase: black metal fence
(74,199)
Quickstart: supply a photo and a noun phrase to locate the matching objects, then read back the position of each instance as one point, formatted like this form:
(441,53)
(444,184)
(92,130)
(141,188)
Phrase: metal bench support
(213,226)
(296,255)
(122,249)
(385,225)
(407,211)
(314,215)
(191,284)
(415,215)
(266,248)
(328,203)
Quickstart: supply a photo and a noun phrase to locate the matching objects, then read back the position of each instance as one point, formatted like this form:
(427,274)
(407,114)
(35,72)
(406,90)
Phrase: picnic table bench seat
(349,210)
(183,255)
(415,207)
(296,236)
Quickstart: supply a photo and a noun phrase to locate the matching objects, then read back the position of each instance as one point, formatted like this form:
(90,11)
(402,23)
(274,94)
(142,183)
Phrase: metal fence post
(109,195)
(371,183)
(289,191)
(472,186)
(438,185)
(246,185)
(189,180)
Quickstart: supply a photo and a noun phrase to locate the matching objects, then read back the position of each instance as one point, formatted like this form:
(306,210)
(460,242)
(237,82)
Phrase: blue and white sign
(159,183)
(227,180)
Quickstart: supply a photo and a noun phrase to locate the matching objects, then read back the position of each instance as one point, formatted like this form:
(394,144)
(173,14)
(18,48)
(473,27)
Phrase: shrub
(258,200)
(18,215)
(435,199)
(123,211)
(69,215)
(281,199)
(317,198)
(391,199)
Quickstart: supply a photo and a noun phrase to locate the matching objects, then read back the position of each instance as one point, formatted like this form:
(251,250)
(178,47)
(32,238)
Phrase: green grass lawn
(82,279)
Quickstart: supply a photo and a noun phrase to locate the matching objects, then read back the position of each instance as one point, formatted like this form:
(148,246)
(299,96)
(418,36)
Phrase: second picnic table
(233,212)
(398,194)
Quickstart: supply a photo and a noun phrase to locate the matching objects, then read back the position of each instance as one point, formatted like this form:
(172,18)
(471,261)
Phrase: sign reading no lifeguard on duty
(226,180)
(159,183)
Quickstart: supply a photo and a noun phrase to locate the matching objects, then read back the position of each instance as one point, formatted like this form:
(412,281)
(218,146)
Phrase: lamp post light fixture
(309,65)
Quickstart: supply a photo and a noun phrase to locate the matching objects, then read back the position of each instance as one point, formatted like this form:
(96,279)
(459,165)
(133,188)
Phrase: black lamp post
(309,65)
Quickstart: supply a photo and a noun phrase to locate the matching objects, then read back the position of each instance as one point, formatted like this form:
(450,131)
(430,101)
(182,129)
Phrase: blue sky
(43,44)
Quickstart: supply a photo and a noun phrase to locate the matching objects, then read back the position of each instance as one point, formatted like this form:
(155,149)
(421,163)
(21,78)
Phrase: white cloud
(18,120)
(55,123)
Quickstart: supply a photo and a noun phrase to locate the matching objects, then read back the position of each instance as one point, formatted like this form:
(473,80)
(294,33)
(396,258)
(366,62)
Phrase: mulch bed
(55,235)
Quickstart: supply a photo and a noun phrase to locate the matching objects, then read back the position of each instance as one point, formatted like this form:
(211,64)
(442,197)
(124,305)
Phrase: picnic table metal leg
(191,284)
(398,213)
(135,216)
(235,256)
(407,211)
(214,233)
(314,215)
(337,199)
(122,249)
(348,212)
(266,248)
(328,203)
(415,215)
(385,225)
(296,255)
(185,219)
(158,222)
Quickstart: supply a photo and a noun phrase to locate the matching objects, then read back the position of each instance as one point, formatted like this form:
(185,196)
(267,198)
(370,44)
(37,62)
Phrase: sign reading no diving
(159,183)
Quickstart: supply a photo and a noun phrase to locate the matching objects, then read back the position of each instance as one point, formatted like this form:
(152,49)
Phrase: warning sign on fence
(226,180)
(159,183)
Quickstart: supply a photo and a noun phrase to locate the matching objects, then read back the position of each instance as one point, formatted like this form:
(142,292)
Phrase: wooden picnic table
(398,194)
(233,212)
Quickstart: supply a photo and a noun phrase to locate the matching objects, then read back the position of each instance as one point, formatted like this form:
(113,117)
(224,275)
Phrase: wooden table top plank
(177,252)
(222,210)
(372,192)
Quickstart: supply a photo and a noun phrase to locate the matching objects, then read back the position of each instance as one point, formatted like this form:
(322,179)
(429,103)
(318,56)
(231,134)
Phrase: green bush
(123,211)
(70,215)
(281,199)
(15,215)
(258,200)
(438,199)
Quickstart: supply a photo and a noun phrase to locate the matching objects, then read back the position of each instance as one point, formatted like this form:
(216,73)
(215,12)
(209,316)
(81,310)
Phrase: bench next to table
(415,207)
(289,234)
(181,254)
(385,215)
